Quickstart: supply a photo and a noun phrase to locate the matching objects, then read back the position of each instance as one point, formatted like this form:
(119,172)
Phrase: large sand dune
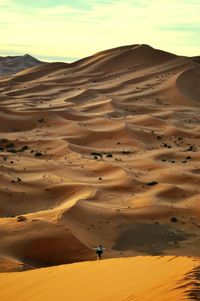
(104,150)
(139,278)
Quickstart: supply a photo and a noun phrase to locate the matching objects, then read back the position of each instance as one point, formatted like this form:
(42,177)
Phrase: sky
(66,30)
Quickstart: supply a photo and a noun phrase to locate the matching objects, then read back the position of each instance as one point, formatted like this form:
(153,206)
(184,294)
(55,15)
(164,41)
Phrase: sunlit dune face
(139,278)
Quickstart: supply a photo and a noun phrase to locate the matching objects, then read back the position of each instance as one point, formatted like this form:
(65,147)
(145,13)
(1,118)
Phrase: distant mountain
(196,59)
(12,64)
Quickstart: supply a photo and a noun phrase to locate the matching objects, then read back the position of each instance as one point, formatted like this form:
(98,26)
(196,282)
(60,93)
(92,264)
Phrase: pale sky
(66,30)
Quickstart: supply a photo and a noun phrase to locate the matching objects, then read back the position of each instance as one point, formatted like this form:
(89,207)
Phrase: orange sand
(139,278)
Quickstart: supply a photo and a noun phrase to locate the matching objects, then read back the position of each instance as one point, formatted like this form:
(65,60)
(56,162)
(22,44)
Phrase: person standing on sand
(99,251)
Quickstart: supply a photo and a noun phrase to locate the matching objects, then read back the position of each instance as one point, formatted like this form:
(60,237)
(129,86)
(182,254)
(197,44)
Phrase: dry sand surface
(104,150)
(139,278)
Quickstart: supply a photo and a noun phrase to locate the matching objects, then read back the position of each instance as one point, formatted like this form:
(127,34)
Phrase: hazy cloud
(78,28)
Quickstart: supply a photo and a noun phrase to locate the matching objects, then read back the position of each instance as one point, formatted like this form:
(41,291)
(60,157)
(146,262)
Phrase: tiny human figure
(99,251)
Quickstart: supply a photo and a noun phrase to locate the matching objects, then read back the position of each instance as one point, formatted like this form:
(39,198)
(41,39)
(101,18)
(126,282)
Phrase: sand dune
(168,278)
(102,150)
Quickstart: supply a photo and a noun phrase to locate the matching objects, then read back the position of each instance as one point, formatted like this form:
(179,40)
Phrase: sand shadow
(150,239)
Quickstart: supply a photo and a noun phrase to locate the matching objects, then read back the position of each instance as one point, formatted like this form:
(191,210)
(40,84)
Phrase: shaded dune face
(188,83)
(101,151)
(49,250)
(150,238)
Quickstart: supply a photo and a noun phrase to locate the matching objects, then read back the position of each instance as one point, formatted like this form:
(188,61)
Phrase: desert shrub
(21,218)
(174,220)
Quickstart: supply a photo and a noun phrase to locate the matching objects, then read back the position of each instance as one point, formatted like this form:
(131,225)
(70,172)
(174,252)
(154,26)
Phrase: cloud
(5,3)
(80,28)
(48,58)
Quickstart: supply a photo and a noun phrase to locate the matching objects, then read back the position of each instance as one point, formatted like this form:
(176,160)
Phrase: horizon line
(67,59)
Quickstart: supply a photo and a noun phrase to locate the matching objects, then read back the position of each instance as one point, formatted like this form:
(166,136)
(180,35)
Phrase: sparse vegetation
(21,218)
(125,152)
(97,155)
(109,155)
(152,183)
(174,220)
(38,154)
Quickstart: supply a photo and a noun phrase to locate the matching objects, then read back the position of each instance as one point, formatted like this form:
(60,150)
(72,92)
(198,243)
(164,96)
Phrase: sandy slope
(103,150)
(139,278)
